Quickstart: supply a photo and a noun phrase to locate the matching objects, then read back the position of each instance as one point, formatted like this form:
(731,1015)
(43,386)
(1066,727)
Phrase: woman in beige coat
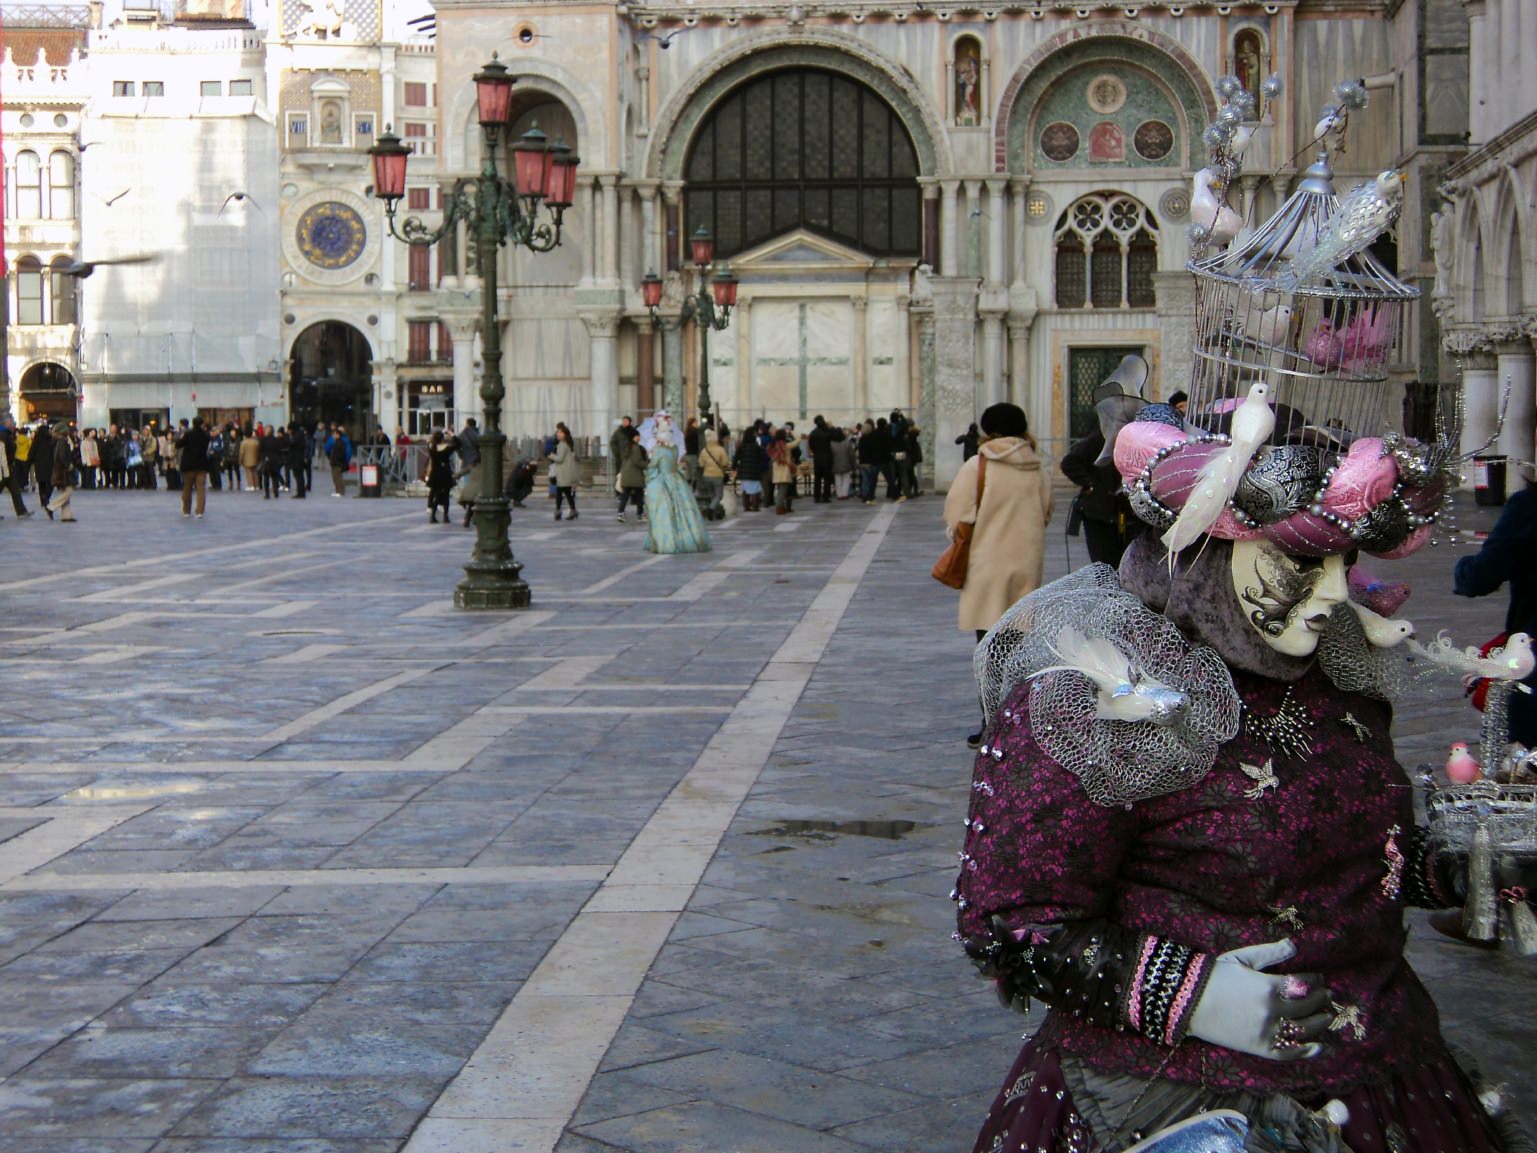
(1008,542)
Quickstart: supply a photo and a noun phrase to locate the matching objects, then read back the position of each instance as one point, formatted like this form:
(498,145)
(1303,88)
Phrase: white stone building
(1486,250)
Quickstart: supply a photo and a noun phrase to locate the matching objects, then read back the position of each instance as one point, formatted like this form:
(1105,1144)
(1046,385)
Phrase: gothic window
(29,290)
(1107,252)
(29,186)
(61,186)
(805,149)
(62,289)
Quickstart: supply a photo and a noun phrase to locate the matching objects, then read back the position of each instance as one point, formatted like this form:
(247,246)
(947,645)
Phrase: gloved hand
(1279,1018)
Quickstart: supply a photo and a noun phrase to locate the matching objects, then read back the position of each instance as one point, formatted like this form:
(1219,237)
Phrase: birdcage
(1323,345)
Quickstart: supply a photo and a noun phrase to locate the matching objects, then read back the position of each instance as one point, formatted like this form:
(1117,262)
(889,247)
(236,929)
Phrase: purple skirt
(1430,1108)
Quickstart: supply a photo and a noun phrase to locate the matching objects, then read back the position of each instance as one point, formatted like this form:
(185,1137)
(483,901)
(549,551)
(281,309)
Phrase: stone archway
(1143,47)
(752,56)
(330,379)
(49,392)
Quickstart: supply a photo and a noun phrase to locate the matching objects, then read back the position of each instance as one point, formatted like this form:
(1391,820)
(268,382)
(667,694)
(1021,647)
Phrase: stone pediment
(801,251)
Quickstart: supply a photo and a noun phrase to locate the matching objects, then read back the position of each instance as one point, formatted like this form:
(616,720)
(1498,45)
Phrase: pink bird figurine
(1323,347)
(1461,768)
(1366,338)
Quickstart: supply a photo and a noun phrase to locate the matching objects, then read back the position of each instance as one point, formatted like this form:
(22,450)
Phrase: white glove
(1279,1018)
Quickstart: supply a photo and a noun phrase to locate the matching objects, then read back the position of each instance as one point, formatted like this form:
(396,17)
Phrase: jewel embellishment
(1348,1018)
(1285,915)
(1288,730)
(1361,731)
(1393,856)
(1263,777)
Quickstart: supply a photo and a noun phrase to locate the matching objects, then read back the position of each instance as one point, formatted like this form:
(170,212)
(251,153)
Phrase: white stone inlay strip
(303,878)
(609,582)
(133,592)
(701,585)
(305,655)
(525,1081)
(67,827)
(565,674)
(341,704)
(286,609)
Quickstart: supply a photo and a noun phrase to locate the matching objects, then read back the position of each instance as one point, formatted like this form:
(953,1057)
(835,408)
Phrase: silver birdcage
(1323,346)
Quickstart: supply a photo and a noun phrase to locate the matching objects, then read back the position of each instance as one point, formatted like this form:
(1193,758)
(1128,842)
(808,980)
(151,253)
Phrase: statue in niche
(1441,249)
(1107,143)
(330,122)
(1249,61)
(968,83)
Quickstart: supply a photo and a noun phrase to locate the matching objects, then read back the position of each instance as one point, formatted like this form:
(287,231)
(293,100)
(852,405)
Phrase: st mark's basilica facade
(929,206)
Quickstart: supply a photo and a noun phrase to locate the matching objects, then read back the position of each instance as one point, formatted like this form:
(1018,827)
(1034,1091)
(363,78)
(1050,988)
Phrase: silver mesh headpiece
(1119,762)
(1354,665)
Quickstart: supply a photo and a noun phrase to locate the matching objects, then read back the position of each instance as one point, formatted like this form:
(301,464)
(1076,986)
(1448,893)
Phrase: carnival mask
(1287,599)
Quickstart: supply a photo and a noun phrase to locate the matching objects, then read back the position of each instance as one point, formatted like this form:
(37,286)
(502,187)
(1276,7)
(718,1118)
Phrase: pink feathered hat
(1380,495)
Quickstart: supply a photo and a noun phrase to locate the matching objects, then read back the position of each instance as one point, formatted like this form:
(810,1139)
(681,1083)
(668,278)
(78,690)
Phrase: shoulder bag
(950,569)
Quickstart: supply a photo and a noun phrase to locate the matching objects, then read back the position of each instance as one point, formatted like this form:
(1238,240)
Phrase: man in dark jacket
(194,467)
(1507,555)
(821,441)
(1106,523)
(298,454)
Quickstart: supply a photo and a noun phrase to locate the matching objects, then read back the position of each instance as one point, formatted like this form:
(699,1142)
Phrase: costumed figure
(673,520)
(1189,836)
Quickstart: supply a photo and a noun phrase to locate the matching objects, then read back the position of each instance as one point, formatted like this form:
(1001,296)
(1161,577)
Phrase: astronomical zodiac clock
(330,235)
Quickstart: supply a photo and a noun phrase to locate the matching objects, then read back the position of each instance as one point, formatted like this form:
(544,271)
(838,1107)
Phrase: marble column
(627,232)
(643,100)
(645,368)
(650,250)
(741,326)
(1513,367)
(1480,76)
(672,367)
(671,256)
(1175,293)
(955,370)
(997,230)
(991,390)
(608,183)
(971,220)
(462,329)
(603,376)
(1019,362)
(861,382)
(585,205)
(1018,281)
(949,229)
(1480,401)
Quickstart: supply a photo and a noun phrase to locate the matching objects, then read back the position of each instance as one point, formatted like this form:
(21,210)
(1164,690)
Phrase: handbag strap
(981,479)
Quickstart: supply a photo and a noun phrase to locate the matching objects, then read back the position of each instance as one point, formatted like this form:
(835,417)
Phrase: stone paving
(296,859)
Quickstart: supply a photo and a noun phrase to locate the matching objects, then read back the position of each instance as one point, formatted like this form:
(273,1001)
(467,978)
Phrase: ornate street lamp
(502,211)
(710,306)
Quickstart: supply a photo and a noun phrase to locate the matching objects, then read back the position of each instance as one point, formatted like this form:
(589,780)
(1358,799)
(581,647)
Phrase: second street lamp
(710,305)
(501,211)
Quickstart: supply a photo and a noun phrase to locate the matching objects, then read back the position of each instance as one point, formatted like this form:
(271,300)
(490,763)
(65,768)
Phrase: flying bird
(109,201)
(1253,422)
(238,198)
(80,269)
(1123,694)
(1366,213)
(665,39)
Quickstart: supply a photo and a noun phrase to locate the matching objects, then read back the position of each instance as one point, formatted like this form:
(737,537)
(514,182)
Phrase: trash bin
(368,480)
(1488,480)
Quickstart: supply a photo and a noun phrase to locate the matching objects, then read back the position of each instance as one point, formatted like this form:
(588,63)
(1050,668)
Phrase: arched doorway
(49,392)
(332,379)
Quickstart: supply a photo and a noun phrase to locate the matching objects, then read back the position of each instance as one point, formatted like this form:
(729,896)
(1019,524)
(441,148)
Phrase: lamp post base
(491,589)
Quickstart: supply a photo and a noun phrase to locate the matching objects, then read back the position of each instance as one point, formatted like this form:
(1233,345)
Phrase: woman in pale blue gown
(673,521)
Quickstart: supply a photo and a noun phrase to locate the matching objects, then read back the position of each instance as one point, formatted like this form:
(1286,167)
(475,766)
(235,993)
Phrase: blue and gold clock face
(331,235)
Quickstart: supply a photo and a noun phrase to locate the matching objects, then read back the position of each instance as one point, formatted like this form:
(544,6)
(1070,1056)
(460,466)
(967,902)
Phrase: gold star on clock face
(331,235)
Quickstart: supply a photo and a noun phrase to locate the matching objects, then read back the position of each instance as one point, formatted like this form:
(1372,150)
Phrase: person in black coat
(194,468)
(874,458)
(1107,523)
(1508,555)
(42,466)
(821,440)
(750,463)
(296,454)
(970,441)
(269,462)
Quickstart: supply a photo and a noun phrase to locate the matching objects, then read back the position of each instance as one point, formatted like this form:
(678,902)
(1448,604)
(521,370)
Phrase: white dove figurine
(1269,326)
(1122,695)
(1253,422)
(1513,662)
(1210,211)
(1380,631)
(1365,214)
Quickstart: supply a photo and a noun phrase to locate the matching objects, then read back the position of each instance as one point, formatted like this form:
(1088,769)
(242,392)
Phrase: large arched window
(61,186)
(29,186)
(29,290)
(62,291)
(805,149)
(1107,252)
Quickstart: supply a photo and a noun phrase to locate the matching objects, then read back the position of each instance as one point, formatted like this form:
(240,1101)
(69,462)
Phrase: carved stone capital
(601,325)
